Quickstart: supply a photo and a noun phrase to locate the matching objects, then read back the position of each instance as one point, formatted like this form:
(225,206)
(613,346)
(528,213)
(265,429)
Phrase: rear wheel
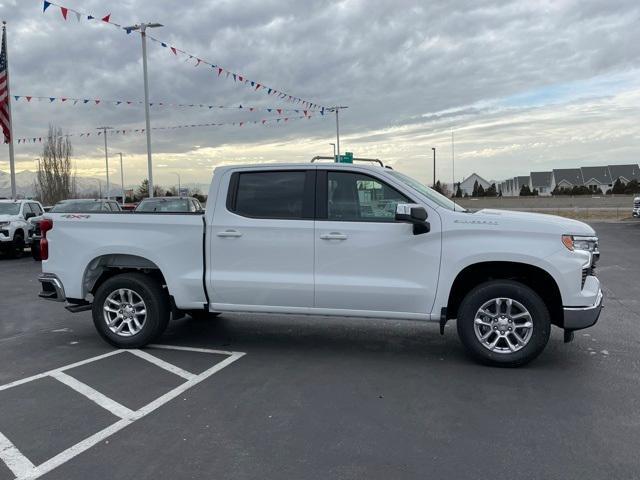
(130,310)
(503,323)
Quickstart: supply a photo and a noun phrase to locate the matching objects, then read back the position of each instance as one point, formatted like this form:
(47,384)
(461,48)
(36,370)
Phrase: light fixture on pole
(106,157)
(179,189)
(143,34)
(334,150)
(122,177)
(337,110)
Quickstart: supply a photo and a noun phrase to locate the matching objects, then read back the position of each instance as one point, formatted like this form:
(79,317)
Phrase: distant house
(597,178)
(541,181)
(466,186)
(567,178)
(518,182)
(625,173)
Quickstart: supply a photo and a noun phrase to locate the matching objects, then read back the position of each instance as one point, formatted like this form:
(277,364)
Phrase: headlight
(577,242)
(4,224)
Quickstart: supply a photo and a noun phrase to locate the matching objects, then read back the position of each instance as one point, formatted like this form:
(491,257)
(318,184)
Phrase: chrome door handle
(229,233)
(333,236)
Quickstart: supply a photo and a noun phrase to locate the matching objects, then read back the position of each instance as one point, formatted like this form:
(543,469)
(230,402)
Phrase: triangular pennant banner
(77,15)
(64,12)
(173,49)
(45,6)
(106,18)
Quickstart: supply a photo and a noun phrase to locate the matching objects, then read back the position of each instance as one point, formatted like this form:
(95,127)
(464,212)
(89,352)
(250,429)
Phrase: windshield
(78,206)
(427,192)
(164,205)
(9,208)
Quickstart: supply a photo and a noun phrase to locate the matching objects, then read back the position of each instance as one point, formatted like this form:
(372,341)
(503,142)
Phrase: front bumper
(52,288)
(577,318)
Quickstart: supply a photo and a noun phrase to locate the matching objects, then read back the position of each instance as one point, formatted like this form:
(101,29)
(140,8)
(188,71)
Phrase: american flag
(4,97)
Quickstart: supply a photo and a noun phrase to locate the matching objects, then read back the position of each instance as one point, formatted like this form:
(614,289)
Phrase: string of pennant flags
(100,101)
(125,131)
(218,70)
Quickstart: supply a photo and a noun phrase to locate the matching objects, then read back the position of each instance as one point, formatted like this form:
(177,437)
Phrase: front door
(262,239)
(364,259)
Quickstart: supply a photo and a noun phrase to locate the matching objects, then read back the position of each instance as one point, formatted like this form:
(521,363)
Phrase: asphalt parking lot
(257,396)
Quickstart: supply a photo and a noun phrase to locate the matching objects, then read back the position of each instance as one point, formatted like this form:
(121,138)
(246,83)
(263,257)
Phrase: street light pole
(334,150)
(106,157)
(121,177)
(434,166)
(337,110)
(143,35)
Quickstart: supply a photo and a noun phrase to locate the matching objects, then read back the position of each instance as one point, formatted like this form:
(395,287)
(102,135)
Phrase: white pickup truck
(329,239)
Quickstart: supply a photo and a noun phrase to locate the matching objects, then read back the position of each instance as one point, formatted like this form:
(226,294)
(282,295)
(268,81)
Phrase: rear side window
(278,195)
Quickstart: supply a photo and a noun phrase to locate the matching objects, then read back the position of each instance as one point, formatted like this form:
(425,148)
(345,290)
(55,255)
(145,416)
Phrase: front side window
(278,195)
(361,198)
(35,208)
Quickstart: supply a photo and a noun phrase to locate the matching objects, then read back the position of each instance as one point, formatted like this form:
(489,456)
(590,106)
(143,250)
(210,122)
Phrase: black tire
(485,292)
(35,250)
(203,315)
(156,302)
(17,247)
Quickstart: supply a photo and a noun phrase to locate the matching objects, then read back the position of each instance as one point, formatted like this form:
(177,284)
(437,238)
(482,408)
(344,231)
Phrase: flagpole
(12,165)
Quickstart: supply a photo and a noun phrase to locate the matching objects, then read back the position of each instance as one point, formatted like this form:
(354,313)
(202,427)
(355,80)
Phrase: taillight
(46,224)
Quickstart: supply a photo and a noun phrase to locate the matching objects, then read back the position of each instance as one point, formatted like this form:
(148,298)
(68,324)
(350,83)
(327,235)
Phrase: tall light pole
(337,110)
(334,150)
(106,157)
(121,177)
(179,190)
(453,163)
(143,35)
(434,166)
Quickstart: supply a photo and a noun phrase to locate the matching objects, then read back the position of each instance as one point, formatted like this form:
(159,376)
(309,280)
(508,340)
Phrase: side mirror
(29,215)
(414,214)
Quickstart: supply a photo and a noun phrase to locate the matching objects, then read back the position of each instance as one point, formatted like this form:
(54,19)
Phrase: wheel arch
(536,278)
(106,266)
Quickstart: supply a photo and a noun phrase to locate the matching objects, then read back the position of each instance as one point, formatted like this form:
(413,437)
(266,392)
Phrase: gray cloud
(409,71)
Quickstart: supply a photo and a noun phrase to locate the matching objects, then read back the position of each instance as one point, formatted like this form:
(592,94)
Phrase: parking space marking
(60,369)
(24,469)
(11,456)
(92,394)
(162,364)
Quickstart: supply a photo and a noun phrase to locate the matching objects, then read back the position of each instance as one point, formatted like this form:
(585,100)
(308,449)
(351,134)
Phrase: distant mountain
(86,186)
(25,182)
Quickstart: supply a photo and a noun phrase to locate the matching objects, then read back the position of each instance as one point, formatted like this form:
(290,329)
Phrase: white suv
(15,229)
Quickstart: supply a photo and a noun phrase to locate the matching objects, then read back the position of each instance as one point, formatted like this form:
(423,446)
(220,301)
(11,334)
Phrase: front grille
(636,204)
(590,270)
(4,232)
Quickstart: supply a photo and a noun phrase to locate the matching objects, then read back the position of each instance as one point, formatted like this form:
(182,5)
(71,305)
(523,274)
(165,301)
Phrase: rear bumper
(577,318)
(51,288)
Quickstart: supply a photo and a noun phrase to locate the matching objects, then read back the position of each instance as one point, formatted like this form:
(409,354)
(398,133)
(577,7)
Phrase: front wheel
(17,248)
(130,310)
(503,323)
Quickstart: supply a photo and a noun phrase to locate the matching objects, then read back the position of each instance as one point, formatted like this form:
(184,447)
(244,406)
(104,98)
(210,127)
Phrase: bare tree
(55,179)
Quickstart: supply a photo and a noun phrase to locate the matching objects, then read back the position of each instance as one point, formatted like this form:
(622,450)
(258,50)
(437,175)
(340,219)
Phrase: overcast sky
(528,85)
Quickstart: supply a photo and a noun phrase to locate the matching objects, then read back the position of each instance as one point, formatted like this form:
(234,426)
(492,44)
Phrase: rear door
(262,239)
(364,259)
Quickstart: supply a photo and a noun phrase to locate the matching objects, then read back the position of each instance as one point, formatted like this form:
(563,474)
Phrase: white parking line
(95,396)
(24,469)
(11,456)
(60,369)
(162,364)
